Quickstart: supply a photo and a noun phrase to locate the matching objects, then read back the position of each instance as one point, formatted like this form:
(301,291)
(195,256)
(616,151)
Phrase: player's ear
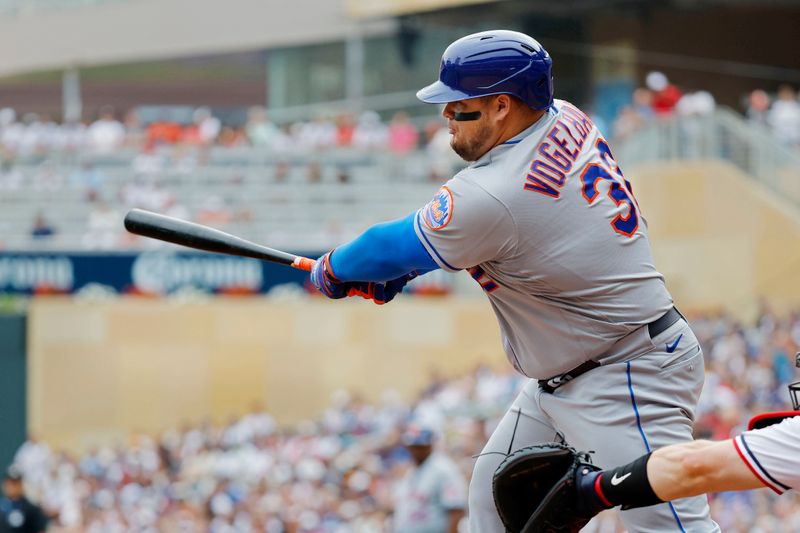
(501,106)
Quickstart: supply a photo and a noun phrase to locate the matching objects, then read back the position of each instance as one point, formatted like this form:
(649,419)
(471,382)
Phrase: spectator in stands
(32,139)
(10,176)
(17,513)
(214,210)
(134,131)
(103,228)
(642,103)
(7,117)
(432,496)
(171,207)
(42,228)
(231,136)
(88,177)
(698,103)
(105,134)
(50,132)
(70,137)
(370,132)
(345,128)
(403,135)
(260,131)
(318,134)
(627,122)
(146,193)
(692,107)
(10,131)
(204,129)
(149,162)
(784,116)
(665,94)
(163,131)
(758,107)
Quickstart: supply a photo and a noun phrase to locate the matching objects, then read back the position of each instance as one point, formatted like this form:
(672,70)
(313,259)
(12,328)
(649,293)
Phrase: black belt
(660,325)
(654,328)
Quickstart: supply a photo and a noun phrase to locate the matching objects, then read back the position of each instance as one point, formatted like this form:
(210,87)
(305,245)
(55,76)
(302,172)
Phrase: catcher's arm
(689,469)
(693,468)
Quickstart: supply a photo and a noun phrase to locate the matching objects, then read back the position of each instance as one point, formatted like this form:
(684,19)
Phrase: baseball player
(431,498)
(767,455)
(545,221)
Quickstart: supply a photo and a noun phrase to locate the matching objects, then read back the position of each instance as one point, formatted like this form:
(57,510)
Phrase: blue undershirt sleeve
(384,252)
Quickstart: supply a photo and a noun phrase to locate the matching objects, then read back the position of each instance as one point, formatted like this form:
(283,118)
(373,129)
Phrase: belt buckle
(551,384)
(555,382)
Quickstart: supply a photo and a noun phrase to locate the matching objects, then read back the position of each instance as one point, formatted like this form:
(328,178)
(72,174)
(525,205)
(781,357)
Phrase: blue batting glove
(326,282)
(323,279)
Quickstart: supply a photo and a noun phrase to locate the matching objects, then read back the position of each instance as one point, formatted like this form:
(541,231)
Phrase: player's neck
(510,128)
(513,126)
(519,123)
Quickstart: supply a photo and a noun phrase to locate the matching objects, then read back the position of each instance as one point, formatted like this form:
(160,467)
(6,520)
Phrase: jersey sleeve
(463,226)
(384,252)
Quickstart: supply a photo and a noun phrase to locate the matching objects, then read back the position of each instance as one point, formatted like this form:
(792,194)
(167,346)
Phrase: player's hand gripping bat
(193,235)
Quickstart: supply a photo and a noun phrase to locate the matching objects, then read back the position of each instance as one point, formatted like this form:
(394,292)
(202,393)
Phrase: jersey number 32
(619,189)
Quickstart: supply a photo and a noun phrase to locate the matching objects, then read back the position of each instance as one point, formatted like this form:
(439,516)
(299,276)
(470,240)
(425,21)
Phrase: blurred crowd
(119,161)
(113,164)
(779,112)
(658,98)
(39,135)
(35,134)
(338,473)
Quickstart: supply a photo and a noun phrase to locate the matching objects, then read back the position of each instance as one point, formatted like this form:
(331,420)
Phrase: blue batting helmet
(417,435)
(493,62)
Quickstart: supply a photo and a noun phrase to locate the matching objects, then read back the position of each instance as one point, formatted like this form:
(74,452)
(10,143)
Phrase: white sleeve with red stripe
(773,454)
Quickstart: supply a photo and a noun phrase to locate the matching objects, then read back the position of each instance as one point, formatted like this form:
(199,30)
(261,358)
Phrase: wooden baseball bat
(193,235)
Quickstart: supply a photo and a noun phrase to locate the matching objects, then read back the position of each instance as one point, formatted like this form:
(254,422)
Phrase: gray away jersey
(547,224)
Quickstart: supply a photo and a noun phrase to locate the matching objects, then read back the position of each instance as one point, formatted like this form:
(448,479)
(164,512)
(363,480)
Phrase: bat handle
(303,263)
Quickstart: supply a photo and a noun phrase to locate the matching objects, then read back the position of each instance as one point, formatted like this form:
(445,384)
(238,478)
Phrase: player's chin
(463,151)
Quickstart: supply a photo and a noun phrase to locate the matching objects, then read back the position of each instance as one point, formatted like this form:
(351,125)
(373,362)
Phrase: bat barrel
(200,237)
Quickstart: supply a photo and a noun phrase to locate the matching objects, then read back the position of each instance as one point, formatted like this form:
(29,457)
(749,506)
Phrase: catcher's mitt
(534,489)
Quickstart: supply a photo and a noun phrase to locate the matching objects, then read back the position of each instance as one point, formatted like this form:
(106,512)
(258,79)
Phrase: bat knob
(303,263)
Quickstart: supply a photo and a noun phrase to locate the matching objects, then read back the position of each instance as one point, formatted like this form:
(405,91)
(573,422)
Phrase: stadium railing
(723,135)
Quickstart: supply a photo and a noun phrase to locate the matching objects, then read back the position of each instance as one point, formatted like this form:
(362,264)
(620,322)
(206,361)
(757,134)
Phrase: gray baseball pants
(620,410)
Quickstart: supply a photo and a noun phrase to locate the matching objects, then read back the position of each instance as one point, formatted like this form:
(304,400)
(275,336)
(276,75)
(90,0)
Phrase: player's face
(420,453)
(470,138)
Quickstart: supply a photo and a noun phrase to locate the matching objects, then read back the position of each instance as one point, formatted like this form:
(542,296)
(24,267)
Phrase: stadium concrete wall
(721,239)
(98,371)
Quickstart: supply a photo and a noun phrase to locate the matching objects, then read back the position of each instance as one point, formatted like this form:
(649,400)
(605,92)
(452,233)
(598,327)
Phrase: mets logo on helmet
(439,211)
